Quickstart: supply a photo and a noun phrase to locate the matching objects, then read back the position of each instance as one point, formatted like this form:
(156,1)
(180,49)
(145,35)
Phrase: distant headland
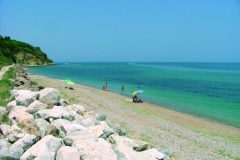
(14,51)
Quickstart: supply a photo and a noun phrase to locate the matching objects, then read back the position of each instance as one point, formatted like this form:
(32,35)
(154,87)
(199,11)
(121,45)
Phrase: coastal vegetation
(13,51)
(6,85)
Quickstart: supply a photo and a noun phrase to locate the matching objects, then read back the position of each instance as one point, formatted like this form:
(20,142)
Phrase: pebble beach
(179,135)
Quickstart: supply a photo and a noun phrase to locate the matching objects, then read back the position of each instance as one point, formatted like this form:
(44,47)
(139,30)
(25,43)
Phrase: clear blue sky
(127,30)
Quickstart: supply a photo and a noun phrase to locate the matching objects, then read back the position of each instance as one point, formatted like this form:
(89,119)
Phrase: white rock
(19,114)
(98,149)
(25,142)
(35,106)
(76,108)
(88,121)
(67,126)
(49,96)
(42,126)
(4,149)
(18,148)
(92,132)
(24,120)
(65,152)
(77,118)
(12,104)
(12,133)
(15,134)
(125,146)
(5,129)
(25,97)
(56,112)
(45,149)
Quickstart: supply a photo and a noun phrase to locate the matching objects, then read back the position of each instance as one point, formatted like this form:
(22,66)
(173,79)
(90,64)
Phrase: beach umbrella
(137,92)
(69,82)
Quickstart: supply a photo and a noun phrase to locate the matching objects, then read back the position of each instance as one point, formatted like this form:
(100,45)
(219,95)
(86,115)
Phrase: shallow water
(209,90)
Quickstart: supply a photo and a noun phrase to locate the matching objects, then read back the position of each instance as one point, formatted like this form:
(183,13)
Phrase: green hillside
(13,51)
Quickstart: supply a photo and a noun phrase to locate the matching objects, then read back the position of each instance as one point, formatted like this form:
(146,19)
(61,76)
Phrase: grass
(6,86)
(145,137)
(225,154)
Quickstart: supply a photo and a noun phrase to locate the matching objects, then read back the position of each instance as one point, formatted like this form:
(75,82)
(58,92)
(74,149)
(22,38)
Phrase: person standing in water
(122,88)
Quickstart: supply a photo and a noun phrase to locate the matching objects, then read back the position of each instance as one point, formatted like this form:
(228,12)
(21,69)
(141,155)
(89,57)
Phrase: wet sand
(184,136)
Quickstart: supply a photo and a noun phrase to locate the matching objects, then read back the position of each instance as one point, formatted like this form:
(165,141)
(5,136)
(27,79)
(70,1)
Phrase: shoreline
(146,102)
(162,127)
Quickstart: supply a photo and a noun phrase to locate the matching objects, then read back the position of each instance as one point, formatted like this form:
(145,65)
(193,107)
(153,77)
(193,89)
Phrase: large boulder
(92,132)
(65,152)
(24,97)
(95,149)
(12,133)
(67,126)
(24,120)
(19,114)
(49,96)
(89,121)
(4,150)
(35,106)
(76,108)
(30,126)
(132,149)
(45,149)
(18,148)
(56,112)
(42,126)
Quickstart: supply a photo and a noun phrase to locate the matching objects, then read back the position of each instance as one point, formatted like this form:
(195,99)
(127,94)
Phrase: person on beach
(136,99)
(105,87)
(122,88)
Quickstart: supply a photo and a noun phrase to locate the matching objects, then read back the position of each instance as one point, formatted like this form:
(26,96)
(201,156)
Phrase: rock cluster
(22,80)
(44,129)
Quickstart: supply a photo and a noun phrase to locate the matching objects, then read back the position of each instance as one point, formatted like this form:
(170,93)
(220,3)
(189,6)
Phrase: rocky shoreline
(45,127)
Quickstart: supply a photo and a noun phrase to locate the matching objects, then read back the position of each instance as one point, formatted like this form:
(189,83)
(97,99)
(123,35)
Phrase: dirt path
(185,136)
(3,70)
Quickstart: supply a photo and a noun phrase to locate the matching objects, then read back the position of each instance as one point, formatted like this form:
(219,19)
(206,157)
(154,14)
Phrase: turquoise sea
(208,90)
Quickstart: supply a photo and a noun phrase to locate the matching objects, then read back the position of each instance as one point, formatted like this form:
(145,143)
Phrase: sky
(126,31)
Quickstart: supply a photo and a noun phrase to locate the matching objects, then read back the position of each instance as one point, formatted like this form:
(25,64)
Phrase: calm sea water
(209,90)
